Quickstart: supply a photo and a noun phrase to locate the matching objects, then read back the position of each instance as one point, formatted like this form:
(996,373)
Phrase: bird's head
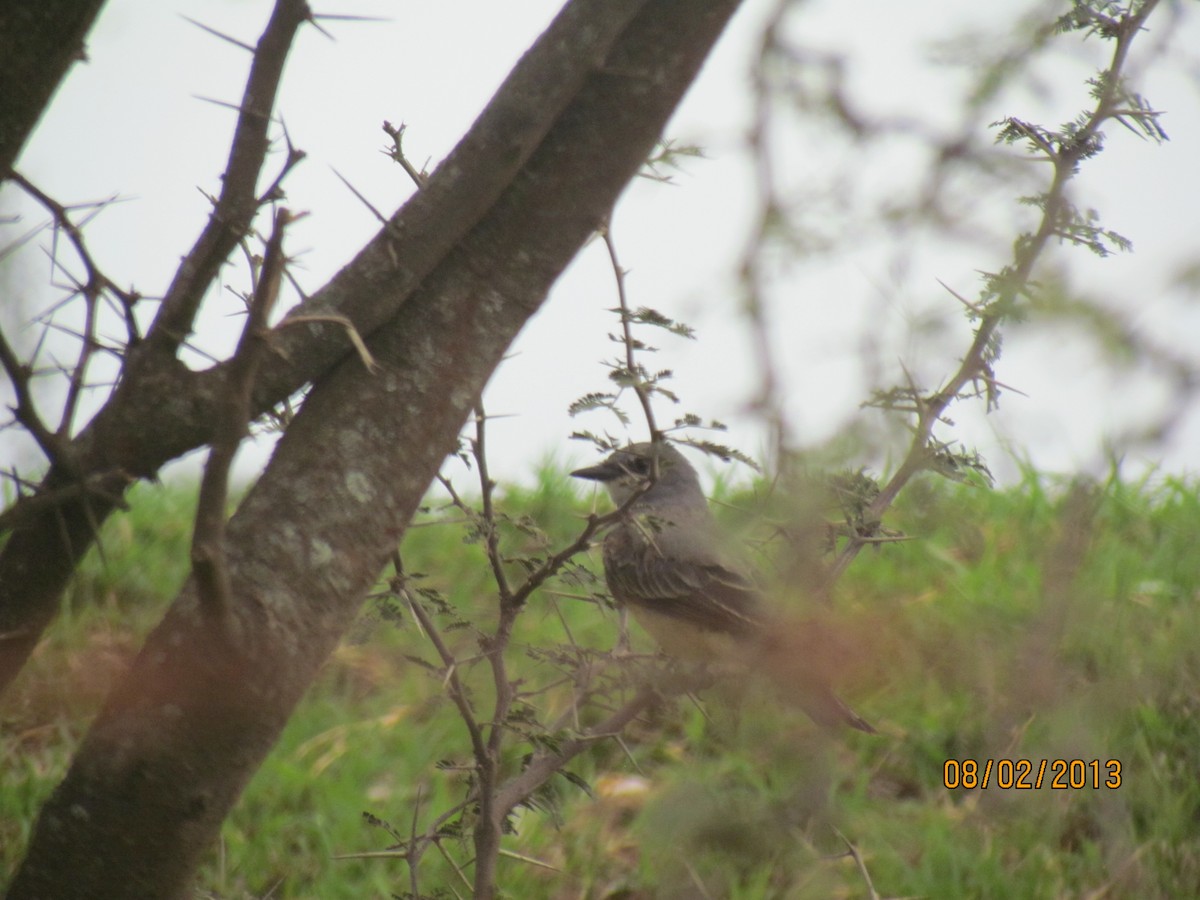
(629,469)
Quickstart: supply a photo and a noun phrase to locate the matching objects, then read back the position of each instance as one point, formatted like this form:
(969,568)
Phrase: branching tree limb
(490,793)
(171,409)
(186,728)
(116,447)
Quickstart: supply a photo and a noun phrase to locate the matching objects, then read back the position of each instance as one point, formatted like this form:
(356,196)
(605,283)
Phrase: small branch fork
(55,443)
(25,412)
(494,798)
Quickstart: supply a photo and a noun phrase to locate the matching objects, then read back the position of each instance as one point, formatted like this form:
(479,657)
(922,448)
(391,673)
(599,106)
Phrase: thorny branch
(93,290)
(495,798)
(496,801)
(637,382)
(1005,289)
(25,412)
(237,204)
(488,510)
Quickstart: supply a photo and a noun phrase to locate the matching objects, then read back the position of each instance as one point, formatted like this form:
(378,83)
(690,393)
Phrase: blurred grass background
(1042,621)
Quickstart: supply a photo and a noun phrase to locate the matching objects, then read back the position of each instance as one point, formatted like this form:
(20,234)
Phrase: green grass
(1034,623)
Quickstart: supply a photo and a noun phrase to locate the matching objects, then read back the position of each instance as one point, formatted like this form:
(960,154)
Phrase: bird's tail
(824,707)
(798,663)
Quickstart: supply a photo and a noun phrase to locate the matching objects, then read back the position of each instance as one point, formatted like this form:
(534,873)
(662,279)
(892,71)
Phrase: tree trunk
(207,698)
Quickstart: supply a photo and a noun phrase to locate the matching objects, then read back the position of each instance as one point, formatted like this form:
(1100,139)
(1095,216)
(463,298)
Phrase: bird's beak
(605,471)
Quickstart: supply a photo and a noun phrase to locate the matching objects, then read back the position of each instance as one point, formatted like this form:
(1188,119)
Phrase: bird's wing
(703,593)
(674,570)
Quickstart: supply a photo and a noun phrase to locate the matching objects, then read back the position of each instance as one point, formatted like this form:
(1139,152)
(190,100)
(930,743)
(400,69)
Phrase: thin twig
(418,177)
(853,853)
(544,765)
(488,827)
(25,411)
(631,363)
(486,490)
(457,691)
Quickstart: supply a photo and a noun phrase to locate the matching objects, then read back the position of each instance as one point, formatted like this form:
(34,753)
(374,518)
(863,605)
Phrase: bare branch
(639,386)
(96,285)
(26,410)
(30,505)
(457,692)
(545,765)
(238,203)
(208,540)
(419,178)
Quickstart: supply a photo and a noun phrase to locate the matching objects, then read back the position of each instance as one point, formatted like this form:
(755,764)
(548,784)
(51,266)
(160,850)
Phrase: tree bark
(39,40)
(161,410)
(206,700)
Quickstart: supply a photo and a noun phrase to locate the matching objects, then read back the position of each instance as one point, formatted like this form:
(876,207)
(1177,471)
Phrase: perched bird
(665,562)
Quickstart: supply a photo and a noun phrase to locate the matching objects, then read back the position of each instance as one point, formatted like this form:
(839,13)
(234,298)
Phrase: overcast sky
(130,123)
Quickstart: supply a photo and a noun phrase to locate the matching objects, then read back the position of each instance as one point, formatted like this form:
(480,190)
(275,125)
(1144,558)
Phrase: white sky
(128,123)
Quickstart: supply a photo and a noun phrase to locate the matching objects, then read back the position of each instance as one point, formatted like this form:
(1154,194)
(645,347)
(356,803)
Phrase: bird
(667,562)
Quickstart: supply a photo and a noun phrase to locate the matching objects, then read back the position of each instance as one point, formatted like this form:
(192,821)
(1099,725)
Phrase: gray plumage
(665,562)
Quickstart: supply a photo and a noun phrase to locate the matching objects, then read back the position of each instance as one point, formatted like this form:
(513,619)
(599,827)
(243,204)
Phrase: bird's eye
(639,465)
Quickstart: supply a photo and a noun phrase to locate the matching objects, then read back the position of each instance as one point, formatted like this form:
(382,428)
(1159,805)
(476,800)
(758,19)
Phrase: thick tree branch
(186,728)
(171,410)
(39,41)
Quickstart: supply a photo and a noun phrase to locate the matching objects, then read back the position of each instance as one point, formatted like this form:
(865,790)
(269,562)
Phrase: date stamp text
(1031,775)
